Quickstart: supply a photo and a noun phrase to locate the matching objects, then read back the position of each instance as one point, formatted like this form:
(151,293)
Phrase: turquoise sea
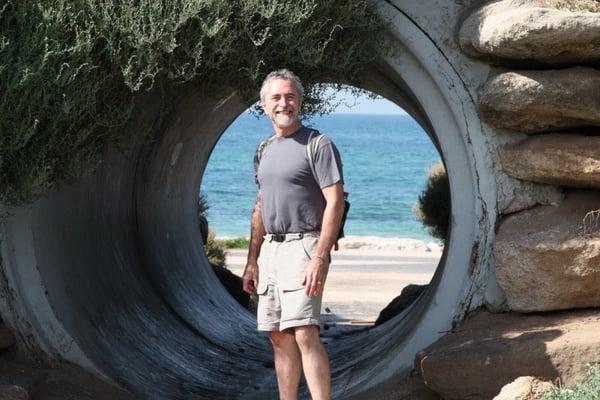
(385,157)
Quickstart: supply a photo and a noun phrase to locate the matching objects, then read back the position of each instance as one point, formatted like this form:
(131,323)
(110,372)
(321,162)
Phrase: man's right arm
(257,233)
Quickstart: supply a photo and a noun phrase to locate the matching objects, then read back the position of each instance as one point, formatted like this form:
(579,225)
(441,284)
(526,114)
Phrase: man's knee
(281,339)
(307,337)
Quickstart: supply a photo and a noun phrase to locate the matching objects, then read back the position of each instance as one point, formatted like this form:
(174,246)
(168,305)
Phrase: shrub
(587,390)
(215,250)
(71,70)
(216,254)
(433,206)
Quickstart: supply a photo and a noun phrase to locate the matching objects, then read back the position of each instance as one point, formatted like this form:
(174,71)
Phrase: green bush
(71,70)
(236,243)
(587,390)
(215,250)
(433,206)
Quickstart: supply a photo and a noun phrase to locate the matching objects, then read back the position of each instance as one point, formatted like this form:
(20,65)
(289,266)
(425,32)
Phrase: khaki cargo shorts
(282,299)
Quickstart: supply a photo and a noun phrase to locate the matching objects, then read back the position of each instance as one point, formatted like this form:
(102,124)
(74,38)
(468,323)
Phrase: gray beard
(284,121)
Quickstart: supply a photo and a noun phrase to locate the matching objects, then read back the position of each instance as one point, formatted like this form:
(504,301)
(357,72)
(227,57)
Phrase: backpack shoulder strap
(261,147)
(311,150)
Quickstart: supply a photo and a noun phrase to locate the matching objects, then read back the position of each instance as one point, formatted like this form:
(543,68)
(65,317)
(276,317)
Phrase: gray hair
(281,74)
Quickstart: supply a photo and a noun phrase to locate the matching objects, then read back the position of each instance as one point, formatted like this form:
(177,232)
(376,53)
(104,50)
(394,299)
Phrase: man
(295,223)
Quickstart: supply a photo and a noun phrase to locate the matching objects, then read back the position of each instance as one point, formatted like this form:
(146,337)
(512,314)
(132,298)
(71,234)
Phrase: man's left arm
(316,270)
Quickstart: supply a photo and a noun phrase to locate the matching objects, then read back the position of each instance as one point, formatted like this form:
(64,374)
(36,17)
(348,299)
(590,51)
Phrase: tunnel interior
(120,260)
(124,268)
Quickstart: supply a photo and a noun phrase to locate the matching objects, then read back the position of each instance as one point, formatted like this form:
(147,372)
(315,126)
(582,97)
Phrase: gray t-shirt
(292,201)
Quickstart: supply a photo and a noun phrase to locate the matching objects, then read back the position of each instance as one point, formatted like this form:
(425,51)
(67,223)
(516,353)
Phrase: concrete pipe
(109,273)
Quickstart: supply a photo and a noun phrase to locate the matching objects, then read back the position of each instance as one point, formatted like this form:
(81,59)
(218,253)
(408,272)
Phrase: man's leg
(314,361)
(288,364)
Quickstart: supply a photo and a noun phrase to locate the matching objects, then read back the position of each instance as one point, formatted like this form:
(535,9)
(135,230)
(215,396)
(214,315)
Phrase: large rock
(408,295)
(529,194)
(557,159)
(516,30)
(539,101)
(548,257)
(489,351)
(525,388)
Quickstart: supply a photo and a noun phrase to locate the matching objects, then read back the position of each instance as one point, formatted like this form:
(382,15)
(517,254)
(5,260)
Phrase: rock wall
(542,97)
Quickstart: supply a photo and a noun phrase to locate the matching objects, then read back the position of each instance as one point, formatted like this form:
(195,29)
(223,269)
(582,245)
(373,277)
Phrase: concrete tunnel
(109,273)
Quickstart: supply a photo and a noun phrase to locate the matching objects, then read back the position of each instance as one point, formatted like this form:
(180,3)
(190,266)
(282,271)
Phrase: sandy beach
(366,273)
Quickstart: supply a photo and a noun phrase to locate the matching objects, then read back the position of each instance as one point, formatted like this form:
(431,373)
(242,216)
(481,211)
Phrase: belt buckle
(278,237)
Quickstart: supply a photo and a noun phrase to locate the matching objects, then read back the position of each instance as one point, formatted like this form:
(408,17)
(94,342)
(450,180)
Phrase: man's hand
(250,278)
(315,275)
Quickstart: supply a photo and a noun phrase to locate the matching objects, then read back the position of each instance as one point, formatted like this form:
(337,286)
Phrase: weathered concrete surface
(548,258)
(529,194)
(525,388)
(539,101)
(557,159)
(7,339)
(489,351)
(517,30)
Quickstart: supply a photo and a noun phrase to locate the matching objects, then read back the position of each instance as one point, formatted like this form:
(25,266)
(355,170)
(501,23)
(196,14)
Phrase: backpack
(311,148)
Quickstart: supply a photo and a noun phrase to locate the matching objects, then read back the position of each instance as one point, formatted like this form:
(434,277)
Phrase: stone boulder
(408,295)
(489,351)
(548,257)
(529,194)
(509,30)
(525,388)
(540,101)
(557,159)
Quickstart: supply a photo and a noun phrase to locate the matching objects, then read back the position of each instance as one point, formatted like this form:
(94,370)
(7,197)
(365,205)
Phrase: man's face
(282,103)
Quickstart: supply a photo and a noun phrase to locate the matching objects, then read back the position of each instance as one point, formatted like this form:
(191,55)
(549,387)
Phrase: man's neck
(284,132)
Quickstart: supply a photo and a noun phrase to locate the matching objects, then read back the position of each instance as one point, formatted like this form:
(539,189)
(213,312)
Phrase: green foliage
(587,390)
(71,70)
(236,243)
(215,250)
(433,206)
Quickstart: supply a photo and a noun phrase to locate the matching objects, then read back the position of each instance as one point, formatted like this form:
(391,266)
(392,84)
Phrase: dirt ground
(63,381)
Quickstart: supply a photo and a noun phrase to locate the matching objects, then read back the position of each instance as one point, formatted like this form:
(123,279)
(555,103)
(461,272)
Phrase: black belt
(284,237)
